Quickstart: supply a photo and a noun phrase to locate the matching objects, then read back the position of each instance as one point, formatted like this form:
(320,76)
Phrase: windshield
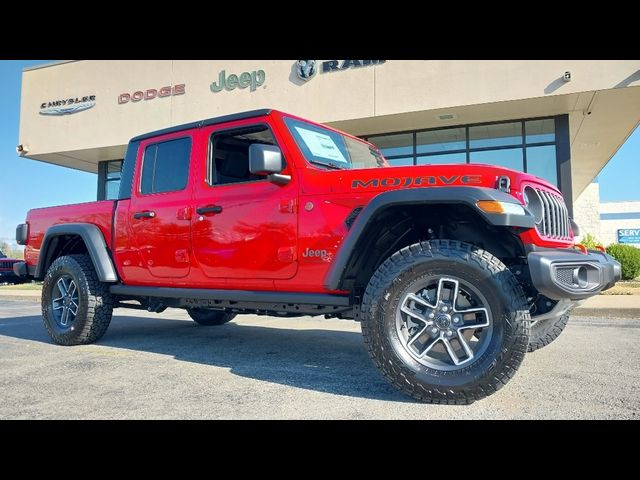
(330,149)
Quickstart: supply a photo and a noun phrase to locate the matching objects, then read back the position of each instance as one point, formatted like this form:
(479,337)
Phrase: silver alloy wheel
(444,323)
(65,301)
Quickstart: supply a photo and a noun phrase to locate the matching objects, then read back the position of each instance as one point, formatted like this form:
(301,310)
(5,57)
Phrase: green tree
(590,241)
(10,251)
(629,258)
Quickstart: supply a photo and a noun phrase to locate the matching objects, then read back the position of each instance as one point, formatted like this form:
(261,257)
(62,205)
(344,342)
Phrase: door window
(165,167)
(229,162)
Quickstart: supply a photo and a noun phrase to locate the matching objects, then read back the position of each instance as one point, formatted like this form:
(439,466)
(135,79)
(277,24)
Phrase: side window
(229,161)
(165,166)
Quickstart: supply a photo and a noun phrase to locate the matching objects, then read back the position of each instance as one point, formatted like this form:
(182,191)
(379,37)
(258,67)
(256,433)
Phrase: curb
(632,313)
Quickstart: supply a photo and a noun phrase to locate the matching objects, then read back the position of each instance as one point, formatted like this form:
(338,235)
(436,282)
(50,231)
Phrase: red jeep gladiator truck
(454,271)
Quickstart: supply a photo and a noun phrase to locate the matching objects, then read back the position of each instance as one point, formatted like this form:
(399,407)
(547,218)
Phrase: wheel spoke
(72,288)
(451,351)
(465,346)
(61,286)
(414,314)
(478,323)
(417,299)
(429,346)
(73,307)
(63,318)
(451,298)
(417,335)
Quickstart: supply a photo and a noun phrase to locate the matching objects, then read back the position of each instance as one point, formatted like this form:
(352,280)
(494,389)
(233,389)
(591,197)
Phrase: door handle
(145,214)
(209,209)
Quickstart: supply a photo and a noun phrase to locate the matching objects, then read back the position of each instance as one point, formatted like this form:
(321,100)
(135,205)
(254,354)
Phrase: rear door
(160,208)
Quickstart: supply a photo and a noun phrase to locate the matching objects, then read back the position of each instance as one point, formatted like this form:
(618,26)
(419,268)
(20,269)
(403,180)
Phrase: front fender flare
(423,196)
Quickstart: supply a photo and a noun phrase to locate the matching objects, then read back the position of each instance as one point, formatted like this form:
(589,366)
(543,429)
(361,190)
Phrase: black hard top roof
(201,123)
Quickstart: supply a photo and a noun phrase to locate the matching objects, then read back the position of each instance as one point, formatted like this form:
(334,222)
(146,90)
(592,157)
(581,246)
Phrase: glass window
(330,149)
(443,158)
(112,182)
(165,167)
(400,162)
(495,135)
(541,161)
(441,140)
(112,190)
(539,131)
(391,145)
(231,153)
(509,158)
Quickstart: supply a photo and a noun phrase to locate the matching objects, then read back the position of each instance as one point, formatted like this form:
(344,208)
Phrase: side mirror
(265,159)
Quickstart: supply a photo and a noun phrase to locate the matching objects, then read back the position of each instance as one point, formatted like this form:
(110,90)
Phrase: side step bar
(242,296)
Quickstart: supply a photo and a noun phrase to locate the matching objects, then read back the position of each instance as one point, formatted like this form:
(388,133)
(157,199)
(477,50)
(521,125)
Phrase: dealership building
(562,120)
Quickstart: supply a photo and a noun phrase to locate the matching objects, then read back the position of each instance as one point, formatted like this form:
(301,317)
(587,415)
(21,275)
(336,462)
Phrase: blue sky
(28,184)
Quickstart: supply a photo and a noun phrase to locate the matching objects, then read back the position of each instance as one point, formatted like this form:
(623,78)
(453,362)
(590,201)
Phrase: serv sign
(629,235)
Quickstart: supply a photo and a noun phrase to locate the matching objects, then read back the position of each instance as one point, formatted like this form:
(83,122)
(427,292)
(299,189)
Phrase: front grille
(565,275)
(6,265)
(555,218)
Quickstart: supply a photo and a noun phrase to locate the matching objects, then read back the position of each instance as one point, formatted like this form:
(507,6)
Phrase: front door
(159,211)
(247,225)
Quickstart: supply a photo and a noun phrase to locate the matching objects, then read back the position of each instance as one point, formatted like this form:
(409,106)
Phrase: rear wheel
(76,306)
(445,322)
(208,317)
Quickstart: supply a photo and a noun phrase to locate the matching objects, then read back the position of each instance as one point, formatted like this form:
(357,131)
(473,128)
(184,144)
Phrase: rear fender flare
(93,240)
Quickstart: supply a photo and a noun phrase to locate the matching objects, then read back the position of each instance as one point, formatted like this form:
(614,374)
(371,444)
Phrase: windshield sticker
(321,145)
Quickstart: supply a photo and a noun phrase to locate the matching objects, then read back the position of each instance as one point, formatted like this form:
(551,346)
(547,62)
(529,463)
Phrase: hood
(318,181)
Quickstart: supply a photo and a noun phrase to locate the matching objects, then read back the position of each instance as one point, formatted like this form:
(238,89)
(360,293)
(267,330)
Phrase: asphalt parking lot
(166,366)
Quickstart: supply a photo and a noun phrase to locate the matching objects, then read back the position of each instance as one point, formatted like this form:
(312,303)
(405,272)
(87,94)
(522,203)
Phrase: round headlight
(533,202)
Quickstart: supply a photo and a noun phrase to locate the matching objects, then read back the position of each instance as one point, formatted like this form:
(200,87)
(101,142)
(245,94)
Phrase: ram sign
(629,235)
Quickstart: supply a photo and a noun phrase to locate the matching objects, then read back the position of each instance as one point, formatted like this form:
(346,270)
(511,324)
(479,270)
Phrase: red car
(7,275)
(454,271)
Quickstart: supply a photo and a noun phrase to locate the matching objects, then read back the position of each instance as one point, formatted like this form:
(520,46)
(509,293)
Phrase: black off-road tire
(546,331)
(508,343)
(209,317)
(95,304)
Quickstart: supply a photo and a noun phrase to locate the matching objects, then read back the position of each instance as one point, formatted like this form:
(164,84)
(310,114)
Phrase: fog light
(580,277)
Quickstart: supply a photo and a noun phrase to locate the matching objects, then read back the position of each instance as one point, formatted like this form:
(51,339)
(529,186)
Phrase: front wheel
(445,322)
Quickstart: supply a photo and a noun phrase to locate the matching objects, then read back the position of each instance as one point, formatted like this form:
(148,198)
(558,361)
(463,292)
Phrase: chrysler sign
(67,106)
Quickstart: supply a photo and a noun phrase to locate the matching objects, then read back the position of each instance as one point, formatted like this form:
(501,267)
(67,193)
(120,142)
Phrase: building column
(102,181)
(563,157)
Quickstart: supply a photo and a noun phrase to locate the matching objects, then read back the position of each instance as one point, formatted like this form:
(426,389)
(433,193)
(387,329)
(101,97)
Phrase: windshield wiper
(328,165)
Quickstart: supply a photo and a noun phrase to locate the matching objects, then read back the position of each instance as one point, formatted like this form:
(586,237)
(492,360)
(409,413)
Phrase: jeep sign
(252,80)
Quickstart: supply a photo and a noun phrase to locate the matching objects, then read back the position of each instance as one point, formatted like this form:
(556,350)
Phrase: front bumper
(565,273)
(20,269)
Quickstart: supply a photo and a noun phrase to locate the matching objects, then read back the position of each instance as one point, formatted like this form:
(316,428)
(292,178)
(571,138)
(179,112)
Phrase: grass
(34,286)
